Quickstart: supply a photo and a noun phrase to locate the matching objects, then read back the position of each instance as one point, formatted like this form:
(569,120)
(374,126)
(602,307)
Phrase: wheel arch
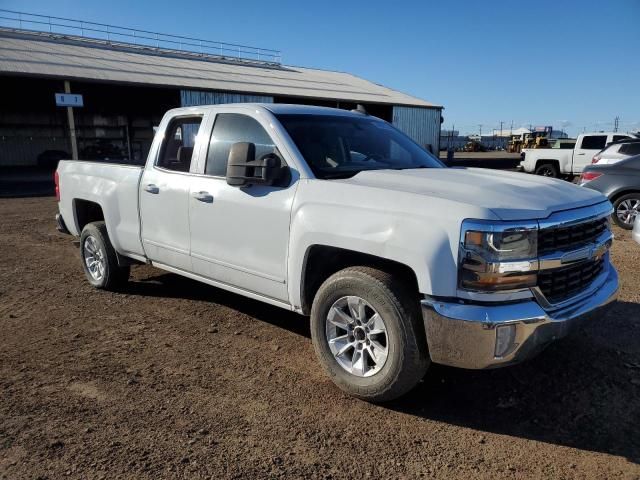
(86,211)
(322,261)
(622,192)
(543,161)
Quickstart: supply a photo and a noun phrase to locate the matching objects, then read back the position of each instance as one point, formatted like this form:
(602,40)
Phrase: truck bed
(116,187)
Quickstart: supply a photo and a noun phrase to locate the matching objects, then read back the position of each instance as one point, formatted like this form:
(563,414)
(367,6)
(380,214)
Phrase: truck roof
(278,108)
(608,133)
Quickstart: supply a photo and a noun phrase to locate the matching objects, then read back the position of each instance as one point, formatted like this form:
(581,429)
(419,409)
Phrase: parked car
(620,182)
(616,151)
(554,162)
(399,261)
(103,150)
(49,159)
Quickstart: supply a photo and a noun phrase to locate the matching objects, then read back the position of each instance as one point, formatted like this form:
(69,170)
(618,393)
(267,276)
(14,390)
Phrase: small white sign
(69,100)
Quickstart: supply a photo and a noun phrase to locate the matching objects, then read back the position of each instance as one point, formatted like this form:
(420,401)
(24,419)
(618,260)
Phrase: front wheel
(547,170)
(368,334)
(625,210)
(99,259)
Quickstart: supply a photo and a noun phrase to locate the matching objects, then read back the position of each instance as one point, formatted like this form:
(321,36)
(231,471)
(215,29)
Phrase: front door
(240,235)
(588,148)
(164,195)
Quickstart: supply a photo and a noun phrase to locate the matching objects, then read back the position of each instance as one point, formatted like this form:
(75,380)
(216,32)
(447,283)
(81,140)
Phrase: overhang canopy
(35,55)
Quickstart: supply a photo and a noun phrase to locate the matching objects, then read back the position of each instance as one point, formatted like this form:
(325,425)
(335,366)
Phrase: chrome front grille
(572,252)
(562,283)
(556,239)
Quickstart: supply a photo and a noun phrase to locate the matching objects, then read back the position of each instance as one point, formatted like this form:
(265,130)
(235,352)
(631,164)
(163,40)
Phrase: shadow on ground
(582,392)
(168,285)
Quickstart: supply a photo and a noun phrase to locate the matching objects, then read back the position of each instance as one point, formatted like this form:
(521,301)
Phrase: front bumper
(465,335)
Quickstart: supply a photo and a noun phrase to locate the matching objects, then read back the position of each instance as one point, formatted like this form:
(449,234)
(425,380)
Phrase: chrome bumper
(484,336)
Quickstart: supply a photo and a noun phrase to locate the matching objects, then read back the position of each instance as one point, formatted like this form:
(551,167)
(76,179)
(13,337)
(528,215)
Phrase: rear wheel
(99,259)
(547,170)
(368,334)
(625,210)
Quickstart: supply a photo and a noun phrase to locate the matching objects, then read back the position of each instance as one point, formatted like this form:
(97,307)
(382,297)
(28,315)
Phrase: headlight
(496,256)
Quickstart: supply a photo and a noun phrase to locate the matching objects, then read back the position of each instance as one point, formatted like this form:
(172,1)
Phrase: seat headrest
(184,155)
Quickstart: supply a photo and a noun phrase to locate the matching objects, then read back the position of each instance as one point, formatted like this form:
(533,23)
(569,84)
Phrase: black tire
(408,357)
(94,235)
(629,199)
(547,170)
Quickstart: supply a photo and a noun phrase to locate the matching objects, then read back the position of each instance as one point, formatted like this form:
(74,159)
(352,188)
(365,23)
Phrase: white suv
(616,151)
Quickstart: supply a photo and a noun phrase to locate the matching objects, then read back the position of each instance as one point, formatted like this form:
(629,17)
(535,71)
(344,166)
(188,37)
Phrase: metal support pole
(72,124)
(126,129)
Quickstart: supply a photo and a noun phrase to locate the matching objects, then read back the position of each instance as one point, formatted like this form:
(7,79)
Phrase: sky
(569,64)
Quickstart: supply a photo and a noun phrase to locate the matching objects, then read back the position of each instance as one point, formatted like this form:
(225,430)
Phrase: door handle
(151,188)
(205,197)
(581,154)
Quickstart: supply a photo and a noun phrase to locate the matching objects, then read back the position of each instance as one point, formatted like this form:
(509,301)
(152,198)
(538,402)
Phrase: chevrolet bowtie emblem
(594,251)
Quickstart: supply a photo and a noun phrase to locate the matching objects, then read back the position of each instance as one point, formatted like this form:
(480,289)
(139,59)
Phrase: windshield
(340,147)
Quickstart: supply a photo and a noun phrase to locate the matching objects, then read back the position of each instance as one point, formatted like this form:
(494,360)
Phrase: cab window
(594,142)
(177,149)
(230,128)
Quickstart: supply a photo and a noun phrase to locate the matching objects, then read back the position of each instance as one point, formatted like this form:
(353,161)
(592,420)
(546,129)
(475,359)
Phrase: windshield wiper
(343,174)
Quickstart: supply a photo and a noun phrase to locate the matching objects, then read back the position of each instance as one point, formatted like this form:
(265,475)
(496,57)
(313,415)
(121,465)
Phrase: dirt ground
(174,379)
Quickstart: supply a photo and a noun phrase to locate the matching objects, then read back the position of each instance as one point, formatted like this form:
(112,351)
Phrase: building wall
(190,98)
(421,124)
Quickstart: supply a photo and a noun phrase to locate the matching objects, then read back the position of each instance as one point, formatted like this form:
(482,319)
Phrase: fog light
(505,337)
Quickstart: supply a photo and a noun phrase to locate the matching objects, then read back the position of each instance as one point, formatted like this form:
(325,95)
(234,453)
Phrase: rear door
(164,193)
(240,235)
(585,150)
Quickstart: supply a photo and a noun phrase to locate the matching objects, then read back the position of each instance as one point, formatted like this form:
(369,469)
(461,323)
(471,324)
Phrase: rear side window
(230,128)
(630,148)
(619,137)
(177,150)
(594,142)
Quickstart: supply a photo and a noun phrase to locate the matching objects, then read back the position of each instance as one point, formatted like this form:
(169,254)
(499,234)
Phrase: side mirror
(244,169)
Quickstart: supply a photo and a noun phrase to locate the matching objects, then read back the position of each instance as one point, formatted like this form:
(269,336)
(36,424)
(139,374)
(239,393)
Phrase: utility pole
(480,125)
(511,129)
(616,123)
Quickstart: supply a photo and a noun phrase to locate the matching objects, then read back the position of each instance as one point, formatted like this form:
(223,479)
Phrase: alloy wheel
(357,336)
(628,210)
(94,258)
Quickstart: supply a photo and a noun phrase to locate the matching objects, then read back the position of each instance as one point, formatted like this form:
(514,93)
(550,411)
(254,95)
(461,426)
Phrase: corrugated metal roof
(31,55)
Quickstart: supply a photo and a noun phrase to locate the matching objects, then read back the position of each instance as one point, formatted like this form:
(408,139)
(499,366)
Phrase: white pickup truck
(398,260)
(555,162)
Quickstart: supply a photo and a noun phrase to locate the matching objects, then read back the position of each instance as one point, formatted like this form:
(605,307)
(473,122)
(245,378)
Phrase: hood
(510,195)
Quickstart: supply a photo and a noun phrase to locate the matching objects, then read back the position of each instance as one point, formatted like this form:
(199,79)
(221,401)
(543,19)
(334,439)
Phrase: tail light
(595,159)
(56,179)
(589,176)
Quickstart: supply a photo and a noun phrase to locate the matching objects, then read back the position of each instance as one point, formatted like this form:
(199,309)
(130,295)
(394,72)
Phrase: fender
(428,246)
